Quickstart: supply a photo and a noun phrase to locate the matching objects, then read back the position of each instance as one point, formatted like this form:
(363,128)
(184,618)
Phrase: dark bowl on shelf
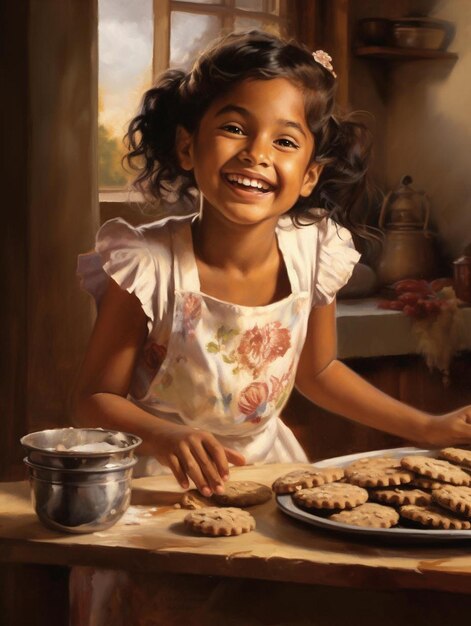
(374,31)
(424,38)
(421,32)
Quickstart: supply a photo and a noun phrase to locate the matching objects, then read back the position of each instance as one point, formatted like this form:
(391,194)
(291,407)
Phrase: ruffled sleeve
(336,258)
(122,253)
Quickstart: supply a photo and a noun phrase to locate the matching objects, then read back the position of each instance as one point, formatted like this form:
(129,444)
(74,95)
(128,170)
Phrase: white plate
(287,505)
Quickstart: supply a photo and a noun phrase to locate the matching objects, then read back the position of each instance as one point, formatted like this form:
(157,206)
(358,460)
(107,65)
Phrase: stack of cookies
(382,492)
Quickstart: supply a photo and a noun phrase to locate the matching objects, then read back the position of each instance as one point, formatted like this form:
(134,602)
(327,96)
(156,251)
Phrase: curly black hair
(343,146)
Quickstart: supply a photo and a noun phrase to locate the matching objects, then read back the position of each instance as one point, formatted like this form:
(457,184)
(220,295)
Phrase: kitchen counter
(151,538)
(364,330)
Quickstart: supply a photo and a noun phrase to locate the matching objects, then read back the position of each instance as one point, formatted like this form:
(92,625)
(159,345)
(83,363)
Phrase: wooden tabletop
(151,537)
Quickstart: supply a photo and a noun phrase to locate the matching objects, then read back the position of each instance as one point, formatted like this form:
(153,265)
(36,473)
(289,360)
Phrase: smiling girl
(207,320)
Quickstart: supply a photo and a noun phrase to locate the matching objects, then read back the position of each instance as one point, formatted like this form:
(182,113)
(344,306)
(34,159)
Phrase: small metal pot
(53,447)
(80,500)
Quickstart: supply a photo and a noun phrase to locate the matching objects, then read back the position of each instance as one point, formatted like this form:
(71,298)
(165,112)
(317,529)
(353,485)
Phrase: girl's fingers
(193,470)
(174,465)
(207,465)
(234,457)
(201,458)
(218,455)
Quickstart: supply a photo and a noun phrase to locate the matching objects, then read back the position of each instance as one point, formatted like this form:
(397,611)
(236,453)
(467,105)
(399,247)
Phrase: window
(139,39)
(186,27)
(125,47)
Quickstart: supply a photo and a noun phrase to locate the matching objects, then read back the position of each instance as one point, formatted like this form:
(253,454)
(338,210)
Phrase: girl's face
(251,155)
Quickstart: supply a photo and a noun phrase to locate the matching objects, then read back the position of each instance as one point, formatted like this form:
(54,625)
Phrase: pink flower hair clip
(325,60)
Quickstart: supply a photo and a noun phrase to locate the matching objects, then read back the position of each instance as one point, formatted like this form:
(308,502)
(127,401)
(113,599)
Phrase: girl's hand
(195,454)
(450,429)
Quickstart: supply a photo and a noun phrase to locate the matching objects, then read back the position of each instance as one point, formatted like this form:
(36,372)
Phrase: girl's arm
(103,384)
(333,386)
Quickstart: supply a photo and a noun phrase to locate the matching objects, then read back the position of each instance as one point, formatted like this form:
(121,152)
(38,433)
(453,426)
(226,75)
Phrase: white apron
(213,365)
(227,368)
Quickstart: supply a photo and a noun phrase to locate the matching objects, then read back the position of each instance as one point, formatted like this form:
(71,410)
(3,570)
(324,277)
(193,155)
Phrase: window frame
(226,10)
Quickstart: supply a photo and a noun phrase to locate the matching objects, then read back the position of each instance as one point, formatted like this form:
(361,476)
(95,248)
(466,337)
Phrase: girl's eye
(287,143)
(232,129)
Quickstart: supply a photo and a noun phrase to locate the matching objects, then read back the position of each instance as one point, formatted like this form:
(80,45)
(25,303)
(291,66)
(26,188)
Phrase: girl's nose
(256,152)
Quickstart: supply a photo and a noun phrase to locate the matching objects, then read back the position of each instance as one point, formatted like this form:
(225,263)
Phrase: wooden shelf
(402,54)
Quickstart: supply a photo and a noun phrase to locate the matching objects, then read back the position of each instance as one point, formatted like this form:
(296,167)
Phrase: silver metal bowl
(95,447)
(80,500)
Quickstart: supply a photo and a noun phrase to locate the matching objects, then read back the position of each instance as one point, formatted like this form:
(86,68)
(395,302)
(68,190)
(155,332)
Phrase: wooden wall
(50,197)
(14,244)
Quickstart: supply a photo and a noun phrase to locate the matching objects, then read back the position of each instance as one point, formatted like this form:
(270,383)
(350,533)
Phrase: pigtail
(151,139)
(344,148)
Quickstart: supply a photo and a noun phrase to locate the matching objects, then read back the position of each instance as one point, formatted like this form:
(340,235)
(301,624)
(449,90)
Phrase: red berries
(417,298)
(412,284)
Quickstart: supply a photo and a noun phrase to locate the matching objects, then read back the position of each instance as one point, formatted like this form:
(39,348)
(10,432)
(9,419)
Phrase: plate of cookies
(404,493)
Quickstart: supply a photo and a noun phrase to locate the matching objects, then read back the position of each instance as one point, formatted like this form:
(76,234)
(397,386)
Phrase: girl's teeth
(247,182)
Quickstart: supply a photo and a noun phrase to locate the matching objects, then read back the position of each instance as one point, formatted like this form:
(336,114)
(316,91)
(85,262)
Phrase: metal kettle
(408,249)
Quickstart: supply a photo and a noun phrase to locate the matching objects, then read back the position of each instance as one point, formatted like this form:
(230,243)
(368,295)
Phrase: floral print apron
(211,364)
(227,368)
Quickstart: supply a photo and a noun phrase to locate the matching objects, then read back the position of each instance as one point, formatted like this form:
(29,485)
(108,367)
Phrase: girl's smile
(248,185)
(251,155)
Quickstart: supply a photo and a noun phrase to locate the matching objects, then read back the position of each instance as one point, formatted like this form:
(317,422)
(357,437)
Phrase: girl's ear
(184,148)
(310,179)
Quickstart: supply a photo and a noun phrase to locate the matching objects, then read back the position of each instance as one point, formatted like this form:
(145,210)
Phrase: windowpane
(125,43)
(249,5)
(248,23)
(190,34)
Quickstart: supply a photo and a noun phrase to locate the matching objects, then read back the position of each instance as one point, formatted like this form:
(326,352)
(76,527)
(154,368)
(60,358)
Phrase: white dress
(213,365)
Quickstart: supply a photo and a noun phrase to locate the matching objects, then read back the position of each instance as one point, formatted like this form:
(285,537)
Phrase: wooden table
(151,539)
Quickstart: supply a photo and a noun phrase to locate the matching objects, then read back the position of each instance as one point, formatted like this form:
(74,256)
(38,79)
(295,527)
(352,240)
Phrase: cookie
(377,472)
(370,515)
(303,479)
(426,483)
(331,496)
(456,455)
(217,522)
(242,493)
(365,461)
(433,516)
(456,499)
(193,500)
(436,469)
(400,497)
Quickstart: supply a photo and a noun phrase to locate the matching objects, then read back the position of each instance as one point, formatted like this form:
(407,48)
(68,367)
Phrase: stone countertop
(366,331)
